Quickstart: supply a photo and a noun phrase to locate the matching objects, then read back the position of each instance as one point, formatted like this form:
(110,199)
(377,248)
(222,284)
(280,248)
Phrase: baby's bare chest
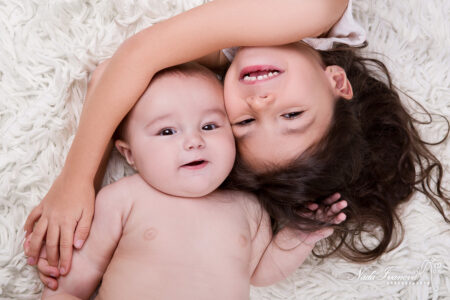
(200,246)
(186,232)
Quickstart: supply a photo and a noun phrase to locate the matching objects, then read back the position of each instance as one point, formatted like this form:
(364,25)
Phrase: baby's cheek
(230,159)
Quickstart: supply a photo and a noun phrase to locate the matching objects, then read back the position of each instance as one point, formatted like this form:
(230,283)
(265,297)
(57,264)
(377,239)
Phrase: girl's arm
(185,37)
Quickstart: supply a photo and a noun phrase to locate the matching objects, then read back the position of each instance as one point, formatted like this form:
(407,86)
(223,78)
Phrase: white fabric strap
(346,31)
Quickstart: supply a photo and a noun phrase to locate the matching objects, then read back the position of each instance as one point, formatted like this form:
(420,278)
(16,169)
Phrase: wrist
(72,175)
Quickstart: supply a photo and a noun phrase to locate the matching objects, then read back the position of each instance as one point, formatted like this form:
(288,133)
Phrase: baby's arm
(90,263)
(289,249)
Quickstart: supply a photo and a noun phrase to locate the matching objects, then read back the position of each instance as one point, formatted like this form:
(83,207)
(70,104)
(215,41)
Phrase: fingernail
(31,260)
(78,244)
(53,274)
(62,271)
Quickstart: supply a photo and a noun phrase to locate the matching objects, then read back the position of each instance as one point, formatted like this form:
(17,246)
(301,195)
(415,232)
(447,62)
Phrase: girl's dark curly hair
(372,155)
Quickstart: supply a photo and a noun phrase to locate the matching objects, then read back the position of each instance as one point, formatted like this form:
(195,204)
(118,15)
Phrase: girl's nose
(260,102)
(194,141)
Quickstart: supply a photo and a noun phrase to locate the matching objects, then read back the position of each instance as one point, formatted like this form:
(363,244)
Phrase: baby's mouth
(195,165)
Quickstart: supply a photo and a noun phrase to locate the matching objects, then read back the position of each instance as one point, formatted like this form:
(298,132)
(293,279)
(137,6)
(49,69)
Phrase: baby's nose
(194,141)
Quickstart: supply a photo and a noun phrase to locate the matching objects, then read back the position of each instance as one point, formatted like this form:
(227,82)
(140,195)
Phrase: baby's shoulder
(249,203)
(117,195)
(119,188)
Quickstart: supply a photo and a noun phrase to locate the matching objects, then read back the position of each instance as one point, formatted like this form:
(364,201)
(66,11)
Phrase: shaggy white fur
(49,48)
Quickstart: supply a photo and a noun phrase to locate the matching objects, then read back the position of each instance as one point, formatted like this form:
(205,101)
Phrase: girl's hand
(68,207)
(47,273)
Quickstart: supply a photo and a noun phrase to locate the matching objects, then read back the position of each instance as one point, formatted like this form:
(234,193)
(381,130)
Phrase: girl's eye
(292,115)
(210,127)
(245,122)
(167,131)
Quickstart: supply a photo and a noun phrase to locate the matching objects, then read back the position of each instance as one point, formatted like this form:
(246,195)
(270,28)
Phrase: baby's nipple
(150,233)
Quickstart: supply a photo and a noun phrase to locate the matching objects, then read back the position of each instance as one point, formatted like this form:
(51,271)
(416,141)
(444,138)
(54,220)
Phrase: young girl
(208,28)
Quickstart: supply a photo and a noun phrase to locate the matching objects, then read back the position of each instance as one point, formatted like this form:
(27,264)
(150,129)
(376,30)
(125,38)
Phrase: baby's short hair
(186,69)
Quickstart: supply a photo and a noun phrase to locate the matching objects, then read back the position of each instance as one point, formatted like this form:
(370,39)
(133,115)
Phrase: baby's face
(180,139)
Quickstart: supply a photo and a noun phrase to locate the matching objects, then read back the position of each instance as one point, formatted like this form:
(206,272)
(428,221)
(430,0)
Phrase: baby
(167,232)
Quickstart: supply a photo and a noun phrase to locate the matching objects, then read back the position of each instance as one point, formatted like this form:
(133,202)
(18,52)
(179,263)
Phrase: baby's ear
(125,150)
(339,83)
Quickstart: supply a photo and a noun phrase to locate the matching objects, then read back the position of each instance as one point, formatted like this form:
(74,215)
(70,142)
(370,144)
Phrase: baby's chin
(188,192)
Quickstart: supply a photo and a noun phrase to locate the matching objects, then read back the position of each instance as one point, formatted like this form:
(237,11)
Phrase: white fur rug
(48,49)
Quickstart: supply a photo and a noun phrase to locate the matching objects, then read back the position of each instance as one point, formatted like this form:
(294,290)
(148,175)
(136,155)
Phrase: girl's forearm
(185,37)
(226,23)
(119,87)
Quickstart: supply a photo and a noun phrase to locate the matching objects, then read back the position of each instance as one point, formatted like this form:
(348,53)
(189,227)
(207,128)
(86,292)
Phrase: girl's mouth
(195,165)
(258,73)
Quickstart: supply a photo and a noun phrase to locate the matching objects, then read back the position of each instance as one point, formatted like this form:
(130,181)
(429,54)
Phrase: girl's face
(279,101)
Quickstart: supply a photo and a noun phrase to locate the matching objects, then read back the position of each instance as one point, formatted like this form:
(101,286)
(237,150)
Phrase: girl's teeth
(260,77)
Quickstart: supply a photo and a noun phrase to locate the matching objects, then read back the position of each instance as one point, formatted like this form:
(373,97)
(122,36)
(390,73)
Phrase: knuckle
(83,230)
(38,233)
(65,222)
(33,251)
(65,245)
(51,245)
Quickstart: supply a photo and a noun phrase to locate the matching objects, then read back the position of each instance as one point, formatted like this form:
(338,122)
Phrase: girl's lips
(259,71)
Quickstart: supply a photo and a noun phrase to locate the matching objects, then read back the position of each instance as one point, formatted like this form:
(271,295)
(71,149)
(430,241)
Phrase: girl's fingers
(83,228)
(26,244)
(52,245)
(43,253)
(40,229)
(32,218)
(66,247)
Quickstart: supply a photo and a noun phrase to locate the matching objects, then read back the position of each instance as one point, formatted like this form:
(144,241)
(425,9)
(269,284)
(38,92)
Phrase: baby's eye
(167,131)
(211,126)
(292,115)
(245,122)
